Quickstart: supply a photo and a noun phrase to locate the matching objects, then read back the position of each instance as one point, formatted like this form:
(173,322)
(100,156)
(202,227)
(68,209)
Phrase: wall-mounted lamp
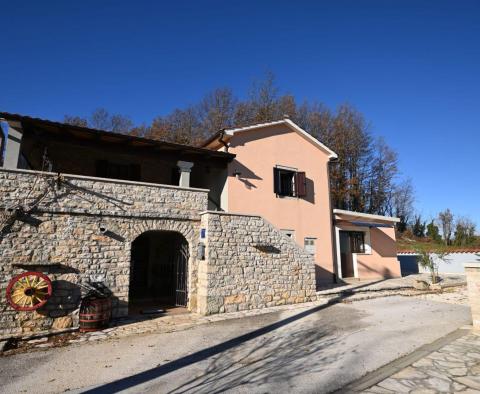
(237,174)
(109,233)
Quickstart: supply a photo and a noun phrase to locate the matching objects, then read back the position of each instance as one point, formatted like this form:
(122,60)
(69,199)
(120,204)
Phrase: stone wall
(60,236)
(472,271)
(250,264)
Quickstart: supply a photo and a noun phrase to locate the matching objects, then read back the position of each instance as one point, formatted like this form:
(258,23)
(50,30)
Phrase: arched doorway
(158,271)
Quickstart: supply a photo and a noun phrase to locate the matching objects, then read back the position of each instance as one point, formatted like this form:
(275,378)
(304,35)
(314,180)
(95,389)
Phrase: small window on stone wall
(289,233)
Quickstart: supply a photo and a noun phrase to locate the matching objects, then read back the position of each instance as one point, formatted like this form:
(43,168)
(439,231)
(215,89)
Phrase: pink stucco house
(282,173)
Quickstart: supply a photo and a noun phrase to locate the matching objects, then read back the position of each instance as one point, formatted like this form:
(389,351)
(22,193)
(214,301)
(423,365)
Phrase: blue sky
(412,68)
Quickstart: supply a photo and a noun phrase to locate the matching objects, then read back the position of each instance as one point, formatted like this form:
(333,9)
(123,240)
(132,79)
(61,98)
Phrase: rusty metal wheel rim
(29,291)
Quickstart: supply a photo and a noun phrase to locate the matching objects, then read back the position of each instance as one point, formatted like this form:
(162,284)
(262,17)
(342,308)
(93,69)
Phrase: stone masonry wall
(472,271)
(60,236)
(250,264)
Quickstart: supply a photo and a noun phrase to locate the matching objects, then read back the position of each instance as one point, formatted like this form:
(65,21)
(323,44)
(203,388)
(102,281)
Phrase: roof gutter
(361,215)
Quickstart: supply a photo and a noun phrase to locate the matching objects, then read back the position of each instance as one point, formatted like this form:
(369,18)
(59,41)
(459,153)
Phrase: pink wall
(382,261)
(257,154)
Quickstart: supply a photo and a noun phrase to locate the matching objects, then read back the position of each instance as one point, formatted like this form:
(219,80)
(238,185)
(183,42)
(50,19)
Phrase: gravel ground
(454,295)
(407,282)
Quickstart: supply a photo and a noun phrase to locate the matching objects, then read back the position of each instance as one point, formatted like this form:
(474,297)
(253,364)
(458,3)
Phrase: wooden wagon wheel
(29,291)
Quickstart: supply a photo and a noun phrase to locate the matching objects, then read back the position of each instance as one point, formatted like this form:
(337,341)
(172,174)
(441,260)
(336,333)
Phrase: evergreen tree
(433,232)
(418,228)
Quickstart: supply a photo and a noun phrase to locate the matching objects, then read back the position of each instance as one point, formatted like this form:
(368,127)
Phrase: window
(289,182)
(357,241)
(107,169)
(289,233)
(309,245)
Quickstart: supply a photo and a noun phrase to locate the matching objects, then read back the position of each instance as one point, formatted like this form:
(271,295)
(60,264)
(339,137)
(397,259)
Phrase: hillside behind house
(407,242)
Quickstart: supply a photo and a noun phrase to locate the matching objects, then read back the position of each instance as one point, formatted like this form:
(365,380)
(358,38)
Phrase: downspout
(333,232)
(225,186)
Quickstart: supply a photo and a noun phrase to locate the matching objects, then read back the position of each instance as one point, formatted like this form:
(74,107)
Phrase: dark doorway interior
(158,273)
(350,242)
(346,255)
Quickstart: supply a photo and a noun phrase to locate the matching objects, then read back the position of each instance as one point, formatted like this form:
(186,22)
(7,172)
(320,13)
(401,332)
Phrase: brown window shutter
(301,184)
(276,181)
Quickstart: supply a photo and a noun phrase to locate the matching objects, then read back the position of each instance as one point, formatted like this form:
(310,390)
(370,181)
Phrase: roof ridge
(287,121)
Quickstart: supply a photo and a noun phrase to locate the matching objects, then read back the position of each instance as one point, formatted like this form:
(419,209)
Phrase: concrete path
(302,350)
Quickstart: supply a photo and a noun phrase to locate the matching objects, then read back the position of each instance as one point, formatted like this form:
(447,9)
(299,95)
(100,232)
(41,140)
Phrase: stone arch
(187,229)
(184,227)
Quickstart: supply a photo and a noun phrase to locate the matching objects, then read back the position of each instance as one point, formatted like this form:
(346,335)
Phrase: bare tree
(317,120)
(75,120)
(181,126)
(262,103)
(217,110)
(286,106)
(446,221)
(100,119)
(401,204)
(263,96)
(120,124)
(464,231)
(381,186)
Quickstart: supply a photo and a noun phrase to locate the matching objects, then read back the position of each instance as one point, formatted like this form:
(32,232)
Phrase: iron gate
(181,268)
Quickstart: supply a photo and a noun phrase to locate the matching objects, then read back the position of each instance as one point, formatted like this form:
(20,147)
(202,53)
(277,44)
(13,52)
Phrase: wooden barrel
(95,313)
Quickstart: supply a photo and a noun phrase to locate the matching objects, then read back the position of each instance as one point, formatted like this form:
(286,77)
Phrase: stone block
(62,322)
(231,308)
(234,299)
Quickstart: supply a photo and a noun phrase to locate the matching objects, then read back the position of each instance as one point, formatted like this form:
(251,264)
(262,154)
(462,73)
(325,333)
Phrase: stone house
(231,226)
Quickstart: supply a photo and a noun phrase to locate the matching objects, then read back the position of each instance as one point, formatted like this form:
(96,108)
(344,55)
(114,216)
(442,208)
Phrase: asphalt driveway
(304,350)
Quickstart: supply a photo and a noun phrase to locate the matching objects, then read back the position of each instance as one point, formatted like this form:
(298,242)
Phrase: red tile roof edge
(412,251)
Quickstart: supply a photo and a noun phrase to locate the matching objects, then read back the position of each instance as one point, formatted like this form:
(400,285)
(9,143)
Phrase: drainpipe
(333,232)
